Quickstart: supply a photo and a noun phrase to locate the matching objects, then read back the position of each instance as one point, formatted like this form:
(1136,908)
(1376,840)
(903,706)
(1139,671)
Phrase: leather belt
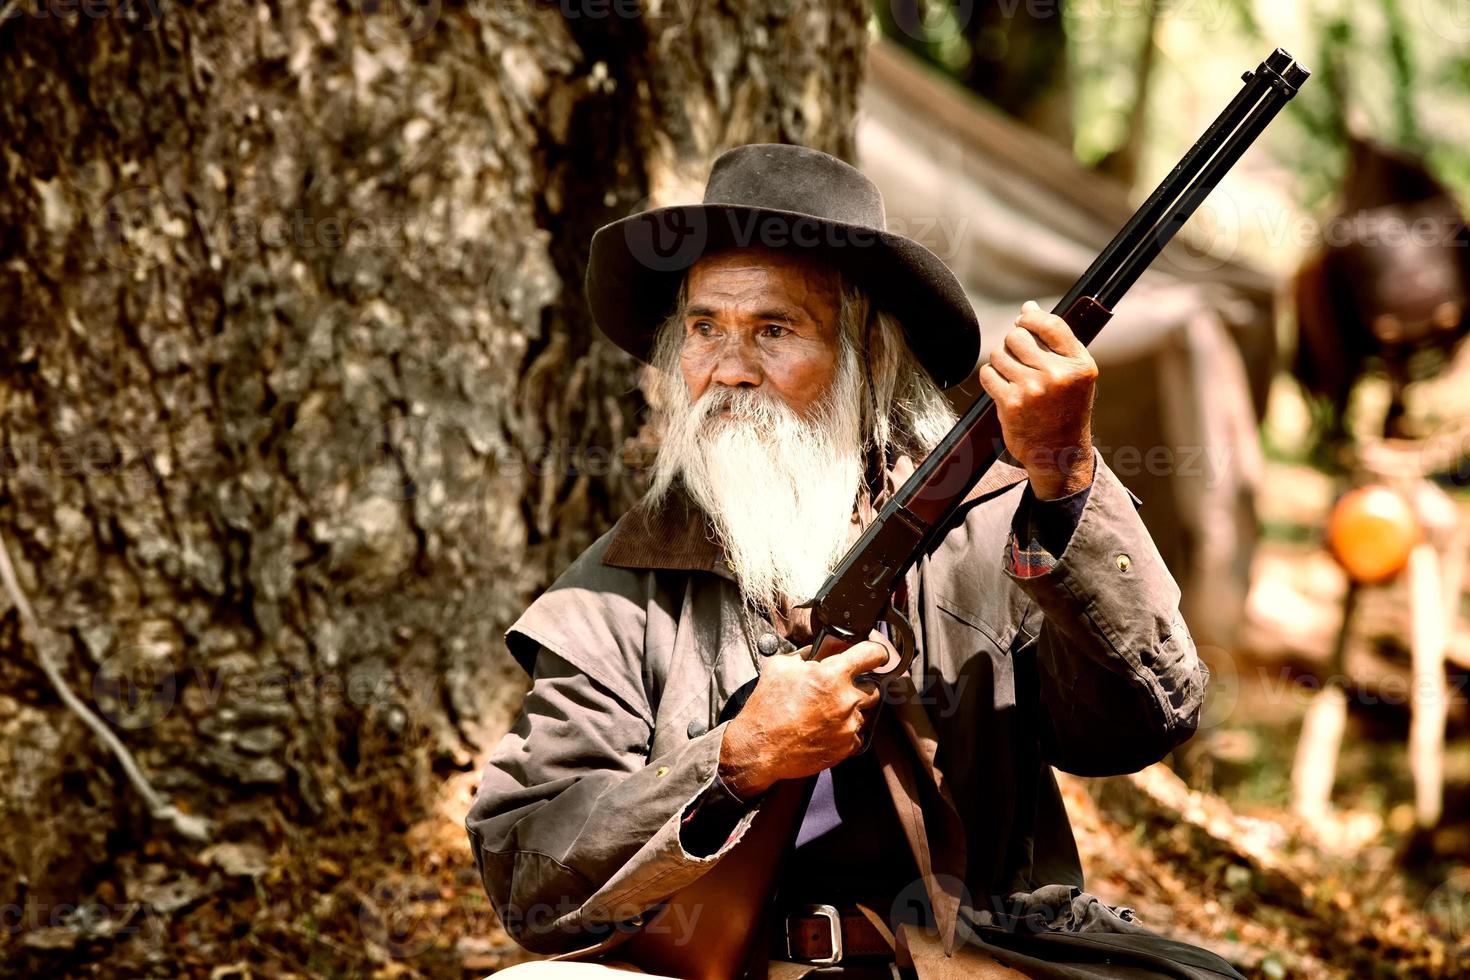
(825,934)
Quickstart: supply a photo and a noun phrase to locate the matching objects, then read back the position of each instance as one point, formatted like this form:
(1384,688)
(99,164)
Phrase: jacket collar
(678,534)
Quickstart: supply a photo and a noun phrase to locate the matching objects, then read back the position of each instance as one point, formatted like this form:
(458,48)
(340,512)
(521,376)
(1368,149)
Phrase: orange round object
(1371,532)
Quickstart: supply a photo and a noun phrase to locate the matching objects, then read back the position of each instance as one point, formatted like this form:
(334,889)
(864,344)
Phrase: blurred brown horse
(1388,288)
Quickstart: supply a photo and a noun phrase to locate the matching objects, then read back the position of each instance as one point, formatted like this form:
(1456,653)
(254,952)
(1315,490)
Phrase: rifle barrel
(855,595)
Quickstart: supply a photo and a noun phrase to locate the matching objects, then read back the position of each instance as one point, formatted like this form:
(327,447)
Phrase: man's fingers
(995,385)
(861,658)
(1008,367)
(1022,345)
(1050,330)
(831,647)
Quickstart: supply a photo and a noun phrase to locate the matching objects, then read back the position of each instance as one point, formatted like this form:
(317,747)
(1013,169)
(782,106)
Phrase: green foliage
(1387,69)
(1101,53)
(1013,55)
(1379,73)
(1403,75)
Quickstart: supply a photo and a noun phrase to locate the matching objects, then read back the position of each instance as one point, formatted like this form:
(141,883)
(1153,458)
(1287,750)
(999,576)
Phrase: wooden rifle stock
(727,904)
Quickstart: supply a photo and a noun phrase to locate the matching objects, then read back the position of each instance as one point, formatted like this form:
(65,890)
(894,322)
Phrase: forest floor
(1207,851)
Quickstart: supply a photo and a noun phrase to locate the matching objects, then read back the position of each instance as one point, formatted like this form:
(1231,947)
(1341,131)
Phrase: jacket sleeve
(1120,680)
(575,831)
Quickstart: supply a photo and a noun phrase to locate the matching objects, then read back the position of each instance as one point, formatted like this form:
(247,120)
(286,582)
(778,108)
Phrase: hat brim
(637,263)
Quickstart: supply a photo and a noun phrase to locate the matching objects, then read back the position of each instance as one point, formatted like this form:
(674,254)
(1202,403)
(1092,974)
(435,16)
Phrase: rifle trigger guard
(901,635)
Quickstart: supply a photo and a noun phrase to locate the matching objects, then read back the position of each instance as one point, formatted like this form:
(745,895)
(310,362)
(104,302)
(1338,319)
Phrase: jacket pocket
(967,638)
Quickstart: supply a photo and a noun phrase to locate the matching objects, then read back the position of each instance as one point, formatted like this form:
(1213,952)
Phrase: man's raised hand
(1043,381)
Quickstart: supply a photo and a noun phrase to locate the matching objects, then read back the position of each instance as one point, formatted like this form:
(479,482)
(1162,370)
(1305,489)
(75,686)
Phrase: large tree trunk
(301,402)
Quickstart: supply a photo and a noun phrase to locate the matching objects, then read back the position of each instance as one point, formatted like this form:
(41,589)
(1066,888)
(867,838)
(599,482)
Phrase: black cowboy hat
(781,196)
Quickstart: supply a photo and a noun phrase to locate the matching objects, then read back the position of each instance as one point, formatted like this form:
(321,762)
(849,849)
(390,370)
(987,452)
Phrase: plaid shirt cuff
(1041,531)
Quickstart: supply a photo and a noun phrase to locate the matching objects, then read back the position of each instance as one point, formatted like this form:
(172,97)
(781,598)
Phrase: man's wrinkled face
(758,318)
(762,406)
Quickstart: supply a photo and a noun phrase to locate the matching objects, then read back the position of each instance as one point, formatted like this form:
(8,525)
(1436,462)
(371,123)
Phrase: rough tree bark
(301,403)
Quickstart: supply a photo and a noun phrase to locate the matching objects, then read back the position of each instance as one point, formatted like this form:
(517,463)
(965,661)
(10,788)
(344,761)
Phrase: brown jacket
(637,646)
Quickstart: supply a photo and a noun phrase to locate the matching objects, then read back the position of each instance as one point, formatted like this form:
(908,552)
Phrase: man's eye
(702,327)
(774,330)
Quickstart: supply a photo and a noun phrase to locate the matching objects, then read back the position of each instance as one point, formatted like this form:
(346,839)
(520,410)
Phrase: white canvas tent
(1184,365)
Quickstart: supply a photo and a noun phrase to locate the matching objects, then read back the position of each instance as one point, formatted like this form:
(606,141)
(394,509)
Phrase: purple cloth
(821,812)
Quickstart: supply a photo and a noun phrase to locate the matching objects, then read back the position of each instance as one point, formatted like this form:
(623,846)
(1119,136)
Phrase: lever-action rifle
(725,904)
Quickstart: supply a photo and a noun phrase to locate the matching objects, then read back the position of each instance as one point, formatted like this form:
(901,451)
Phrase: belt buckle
(834,921)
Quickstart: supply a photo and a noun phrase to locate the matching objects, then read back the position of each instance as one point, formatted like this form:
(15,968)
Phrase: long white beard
(779,488)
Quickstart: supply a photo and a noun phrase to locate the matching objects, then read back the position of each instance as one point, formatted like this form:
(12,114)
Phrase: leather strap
(923,952)
(810,936)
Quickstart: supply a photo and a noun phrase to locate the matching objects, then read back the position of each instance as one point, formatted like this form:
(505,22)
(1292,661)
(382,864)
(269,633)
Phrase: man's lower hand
(803,716)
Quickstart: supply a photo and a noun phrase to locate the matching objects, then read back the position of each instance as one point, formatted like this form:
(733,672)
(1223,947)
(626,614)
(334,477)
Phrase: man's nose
(737,365)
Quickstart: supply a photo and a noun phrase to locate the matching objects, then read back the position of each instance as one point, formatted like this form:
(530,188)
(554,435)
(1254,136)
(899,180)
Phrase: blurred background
(300,406)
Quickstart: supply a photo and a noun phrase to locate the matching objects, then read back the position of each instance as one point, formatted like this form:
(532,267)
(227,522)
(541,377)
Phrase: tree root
(191,826)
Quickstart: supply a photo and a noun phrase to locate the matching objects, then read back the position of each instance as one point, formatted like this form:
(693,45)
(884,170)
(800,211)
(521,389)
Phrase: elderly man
(798,351)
